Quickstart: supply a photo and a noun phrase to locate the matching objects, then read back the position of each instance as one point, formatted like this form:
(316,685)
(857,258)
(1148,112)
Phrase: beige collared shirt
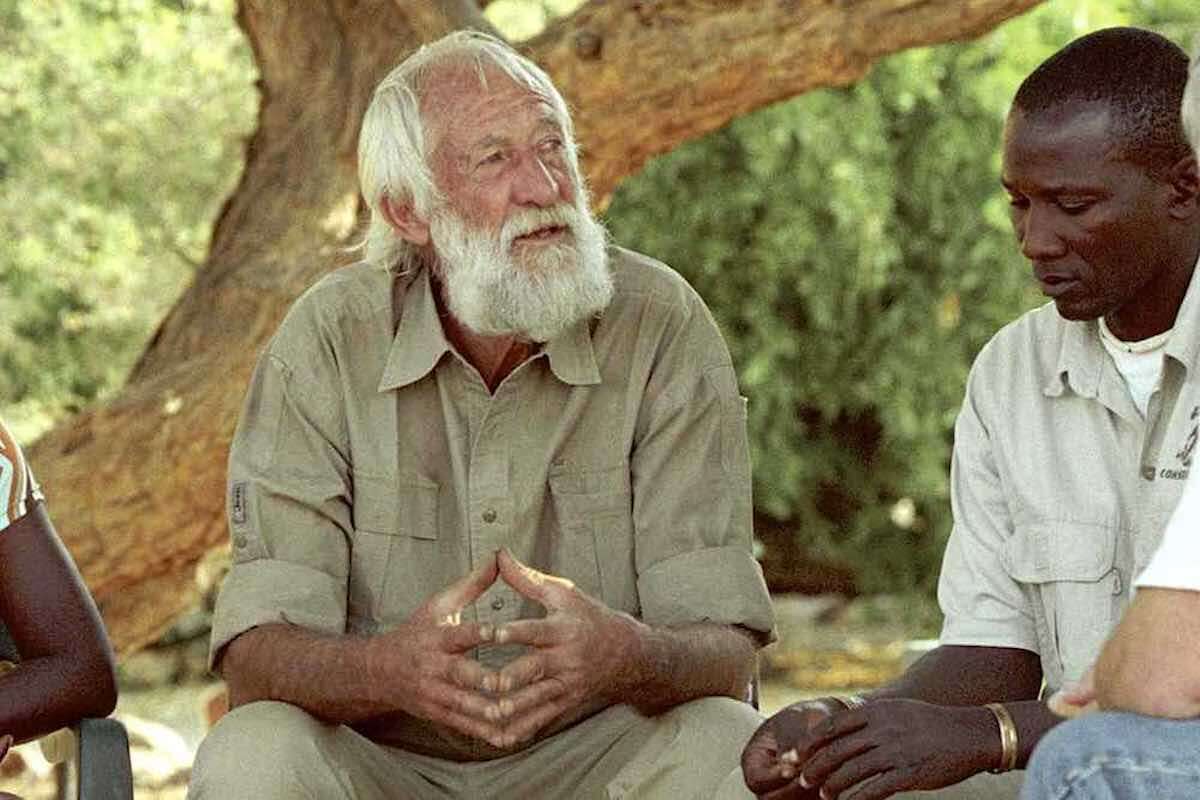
(372,467)
(1060,489)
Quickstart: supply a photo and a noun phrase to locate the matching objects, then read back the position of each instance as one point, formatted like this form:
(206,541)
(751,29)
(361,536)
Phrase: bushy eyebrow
(548,123)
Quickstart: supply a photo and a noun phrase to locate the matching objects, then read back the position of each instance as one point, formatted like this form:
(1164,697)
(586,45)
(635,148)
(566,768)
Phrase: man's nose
(1039,237)
(535,184)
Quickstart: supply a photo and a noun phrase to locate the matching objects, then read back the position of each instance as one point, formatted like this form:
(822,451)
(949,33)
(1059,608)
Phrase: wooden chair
(94,763)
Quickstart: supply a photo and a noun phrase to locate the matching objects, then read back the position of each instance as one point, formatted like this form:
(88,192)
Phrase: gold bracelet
(1008,738)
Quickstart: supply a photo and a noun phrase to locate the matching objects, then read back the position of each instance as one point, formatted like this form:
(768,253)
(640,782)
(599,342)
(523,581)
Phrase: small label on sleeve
(237,503)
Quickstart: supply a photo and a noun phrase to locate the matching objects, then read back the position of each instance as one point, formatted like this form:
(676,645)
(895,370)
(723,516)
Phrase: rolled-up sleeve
(288,499)
(980,600)
(691,482)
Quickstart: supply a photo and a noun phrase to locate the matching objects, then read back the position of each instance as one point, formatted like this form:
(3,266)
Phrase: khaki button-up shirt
(1060,489)
(372,468)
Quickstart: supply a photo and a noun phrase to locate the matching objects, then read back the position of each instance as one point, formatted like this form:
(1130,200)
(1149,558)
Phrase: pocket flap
(579,496)
(404,507)
(1061,550)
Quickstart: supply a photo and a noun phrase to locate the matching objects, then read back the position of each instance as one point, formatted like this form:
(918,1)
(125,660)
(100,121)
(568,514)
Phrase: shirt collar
(1080,357)
(1082,354)
(1182,345)
(572,355)
(420,343)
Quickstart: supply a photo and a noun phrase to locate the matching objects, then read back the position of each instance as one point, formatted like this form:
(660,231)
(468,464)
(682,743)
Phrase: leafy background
(853,243)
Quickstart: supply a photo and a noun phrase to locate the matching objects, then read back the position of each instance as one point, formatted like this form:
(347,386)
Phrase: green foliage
(855,246)
(120,129)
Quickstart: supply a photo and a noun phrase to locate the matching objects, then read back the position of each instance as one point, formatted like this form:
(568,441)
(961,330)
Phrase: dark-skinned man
(1071,448)
(1144,742)
(490,493)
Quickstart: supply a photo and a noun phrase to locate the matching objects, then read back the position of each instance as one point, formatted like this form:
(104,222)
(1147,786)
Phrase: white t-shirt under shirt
(1140,363)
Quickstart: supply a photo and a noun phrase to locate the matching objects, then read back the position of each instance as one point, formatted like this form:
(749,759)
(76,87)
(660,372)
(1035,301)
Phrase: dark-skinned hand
(890,746)
(582,655)
(766,773)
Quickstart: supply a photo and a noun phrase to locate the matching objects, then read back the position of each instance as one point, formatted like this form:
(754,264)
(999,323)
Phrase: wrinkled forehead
(461,97)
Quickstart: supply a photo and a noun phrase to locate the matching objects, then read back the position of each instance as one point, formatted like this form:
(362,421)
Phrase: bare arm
(677,665)
(1151,664)
(67,666)
(324,675)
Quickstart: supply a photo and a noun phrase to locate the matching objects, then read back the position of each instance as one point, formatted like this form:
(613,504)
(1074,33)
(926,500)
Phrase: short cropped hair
(1138,74)
(393,151)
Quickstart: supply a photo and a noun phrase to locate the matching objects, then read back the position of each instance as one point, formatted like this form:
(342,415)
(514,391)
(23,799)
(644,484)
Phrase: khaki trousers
(269,750)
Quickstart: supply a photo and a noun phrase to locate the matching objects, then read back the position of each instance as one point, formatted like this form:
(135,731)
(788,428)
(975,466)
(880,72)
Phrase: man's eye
(552,144)
(495,157)
(1073,206)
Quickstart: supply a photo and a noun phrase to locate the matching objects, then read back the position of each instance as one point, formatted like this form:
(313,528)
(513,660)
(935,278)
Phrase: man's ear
(405,220)
(1184,178)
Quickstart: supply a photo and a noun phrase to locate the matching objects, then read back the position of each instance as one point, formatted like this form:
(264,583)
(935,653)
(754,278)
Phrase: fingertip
(486,632)
(790,757)
(501,635)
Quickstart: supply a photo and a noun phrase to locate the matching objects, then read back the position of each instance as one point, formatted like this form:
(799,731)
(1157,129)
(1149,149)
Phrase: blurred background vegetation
(854,244)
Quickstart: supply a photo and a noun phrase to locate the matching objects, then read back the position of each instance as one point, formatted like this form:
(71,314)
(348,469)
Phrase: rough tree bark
(136,485)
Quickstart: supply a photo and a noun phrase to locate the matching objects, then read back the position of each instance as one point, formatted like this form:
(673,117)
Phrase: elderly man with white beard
(489,496)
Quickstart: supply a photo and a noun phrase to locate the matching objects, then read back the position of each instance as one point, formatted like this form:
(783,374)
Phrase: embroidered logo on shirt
(237,503)
(1185,455)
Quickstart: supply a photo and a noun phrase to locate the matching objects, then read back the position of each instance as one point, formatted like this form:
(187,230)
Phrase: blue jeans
(1112,756)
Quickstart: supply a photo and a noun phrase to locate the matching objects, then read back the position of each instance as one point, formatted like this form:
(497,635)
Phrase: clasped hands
(578,659)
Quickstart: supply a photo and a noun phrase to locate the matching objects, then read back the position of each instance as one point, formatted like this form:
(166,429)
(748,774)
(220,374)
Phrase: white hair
(1191,104)
(393,151)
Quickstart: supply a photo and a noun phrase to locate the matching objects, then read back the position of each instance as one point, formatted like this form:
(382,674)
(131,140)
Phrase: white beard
(535,293)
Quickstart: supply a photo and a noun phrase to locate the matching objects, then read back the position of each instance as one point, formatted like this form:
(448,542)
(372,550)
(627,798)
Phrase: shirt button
(498,604)
(1148,473)
(489,516)
(239,540)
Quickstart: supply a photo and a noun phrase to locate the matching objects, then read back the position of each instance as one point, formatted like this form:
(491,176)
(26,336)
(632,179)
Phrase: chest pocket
(594,546)
(1069,572)
(394,551)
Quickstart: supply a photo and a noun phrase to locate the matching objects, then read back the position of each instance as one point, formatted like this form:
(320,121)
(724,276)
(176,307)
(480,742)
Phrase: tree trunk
(136,486)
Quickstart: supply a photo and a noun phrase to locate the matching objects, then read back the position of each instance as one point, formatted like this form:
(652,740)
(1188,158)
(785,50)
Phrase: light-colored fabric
(1176,563)
(1060,489)
(983,786)
(372,468)
(18,489)
(618,754)
(1139,363)
(1116,756)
